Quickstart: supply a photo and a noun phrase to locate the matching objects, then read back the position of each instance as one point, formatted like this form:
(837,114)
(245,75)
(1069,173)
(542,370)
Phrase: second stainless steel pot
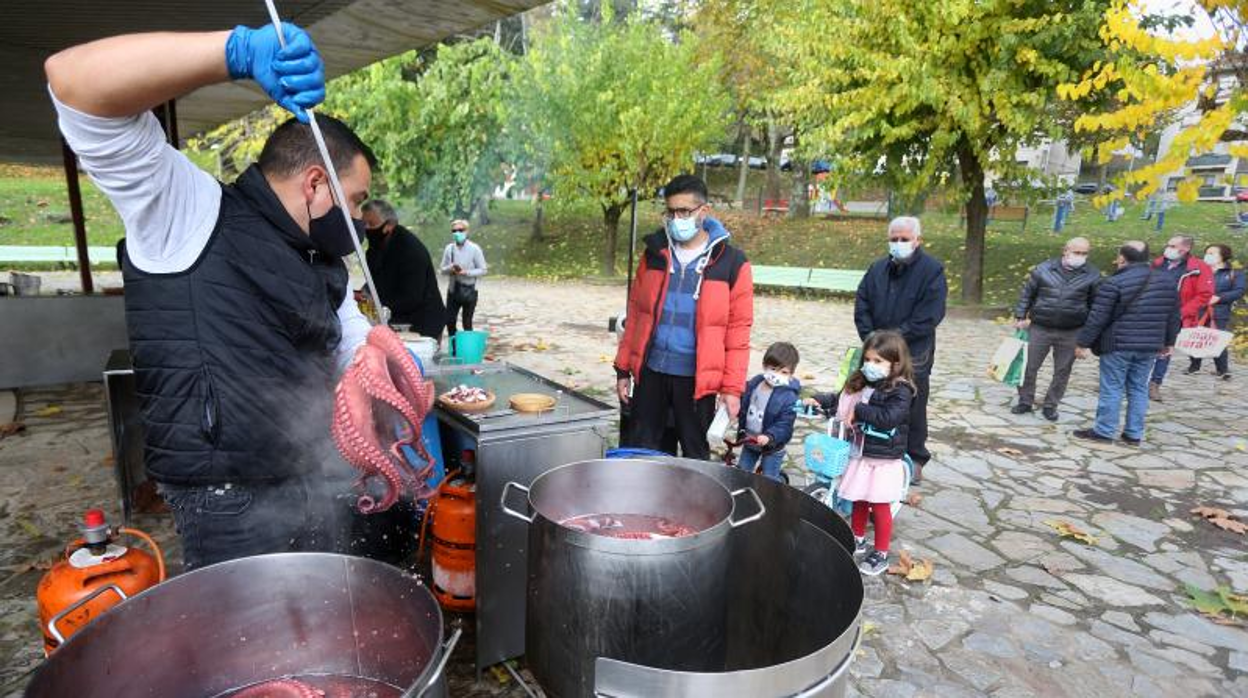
(651,602)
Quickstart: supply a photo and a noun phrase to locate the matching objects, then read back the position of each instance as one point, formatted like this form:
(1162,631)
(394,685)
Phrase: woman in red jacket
(686,344)
(1195,282)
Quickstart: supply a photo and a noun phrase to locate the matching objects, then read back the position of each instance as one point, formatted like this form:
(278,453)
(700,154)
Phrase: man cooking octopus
(238,305)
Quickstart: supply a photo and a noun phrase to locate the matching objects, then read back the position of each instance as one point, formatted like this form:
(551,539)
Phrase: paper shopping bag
(1202,342)
(1010,360)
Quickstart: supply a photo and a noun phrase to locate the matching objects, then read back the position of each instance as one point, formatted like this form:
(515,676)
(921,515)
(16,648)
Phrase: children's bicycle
(730,456)
(827,456)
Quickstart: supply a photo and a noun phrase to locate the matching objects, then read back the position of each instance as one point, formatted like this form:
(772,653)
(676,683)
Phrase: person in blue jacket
(1228,287)
(767,414)
(906,291)
(1134,319)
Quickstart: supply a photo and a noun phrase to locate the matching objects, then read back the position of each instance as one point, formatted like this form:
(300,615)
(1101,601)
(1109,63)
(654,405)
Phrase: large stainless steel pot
(242,622)
(650,602)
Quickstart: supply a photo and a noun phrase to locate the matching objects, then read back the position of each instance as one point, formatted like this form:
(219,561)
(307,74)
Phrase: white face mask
(876,372)
(776,380)
(1074,261)
(1213,260)
(901,250)
(1173,254)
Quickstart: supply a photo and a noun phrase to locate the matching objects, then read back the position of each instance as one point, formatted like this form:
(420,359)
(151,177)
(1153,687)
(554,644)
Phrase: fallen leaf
(1066,529)
(1212,513)
(921,571)
(868,628)
(108,461)
(914,499)
(1220,605)
(49,411)
(903,565)
(605,359)
(808,376)
(11,428)
(1221,518)
(1011,452)
(1230,525)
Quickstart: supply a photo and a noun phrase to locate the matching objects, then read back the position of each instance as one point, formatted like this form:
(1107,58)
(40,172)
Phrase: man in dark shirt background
(403,271)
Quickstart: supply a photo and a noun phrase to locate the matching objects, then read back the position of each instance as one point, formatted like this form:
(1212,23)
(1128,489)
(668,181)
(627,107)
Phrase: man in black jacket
(906,292)
(1054,304)
(1134,319)
(403,271)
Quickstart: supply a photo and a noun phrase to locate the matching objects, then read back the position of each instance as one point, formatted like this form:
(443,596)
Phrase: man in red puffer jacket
(1194,279)
(686,344)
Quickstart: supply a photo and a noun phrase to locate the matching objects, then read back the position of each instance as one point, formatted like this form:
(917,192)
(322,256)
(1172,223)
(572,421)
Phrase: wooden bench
(835,280)
(1001,212)
(778,207)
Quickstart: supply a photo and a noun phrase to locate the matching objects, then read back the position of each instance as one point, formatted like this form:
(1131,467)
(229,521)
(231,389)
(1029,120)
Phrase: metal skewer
(334,184)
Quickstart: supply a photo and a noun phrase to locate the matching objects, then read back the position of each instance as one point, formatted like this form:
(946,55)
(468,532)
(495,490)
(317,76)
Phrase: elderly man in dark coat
(906,292)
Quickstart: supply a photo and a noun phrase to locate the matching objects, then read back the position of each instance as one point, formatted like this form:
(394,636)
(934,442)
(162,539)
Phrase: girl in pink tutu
(875,403)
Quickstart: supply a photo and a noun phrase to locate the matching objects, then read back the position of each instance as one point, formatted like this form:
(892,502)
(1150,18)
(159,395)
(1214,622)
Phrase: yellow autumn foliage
(1152,78)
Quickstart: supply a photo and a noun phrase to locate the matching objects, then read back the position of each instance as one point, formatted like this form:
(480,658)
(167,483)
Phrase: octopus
(629,526)
(383,393)
(280,688)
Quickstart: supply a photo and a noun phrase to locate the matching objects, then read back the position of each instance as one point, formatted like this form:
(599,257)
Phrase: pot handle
(77,605)
(447,648)
(508,510)
(761,509)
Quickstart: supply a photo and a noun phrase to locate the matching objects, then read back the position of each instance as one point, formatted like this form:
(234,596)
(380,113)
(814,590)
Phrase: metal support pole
(80,221)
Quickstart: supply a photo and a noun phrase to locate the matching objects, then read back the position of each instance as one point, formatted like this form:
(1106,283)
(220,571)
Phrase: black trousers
(917,442)
(453,306)
(658,396)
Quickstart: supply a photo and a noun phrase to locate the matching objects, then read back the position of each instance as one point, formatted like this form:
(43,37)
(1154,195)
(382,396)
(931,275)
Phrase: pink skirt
(875,480)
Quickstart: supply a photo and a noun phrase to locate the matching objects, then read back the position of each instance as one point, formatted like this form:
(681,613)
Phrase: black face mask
(329,235)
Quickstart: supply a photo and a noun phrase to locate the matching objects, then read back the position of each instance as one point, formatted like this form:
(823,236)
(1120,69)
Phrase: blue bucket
(431,438)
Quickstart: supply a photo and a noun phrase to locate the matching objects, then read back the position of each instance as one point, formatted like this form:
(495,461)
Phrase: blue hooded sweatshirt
(674,350)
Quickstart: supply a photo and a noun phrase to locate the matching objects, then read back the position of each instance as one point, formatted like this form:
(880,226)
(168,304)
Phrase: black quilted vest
(234,357)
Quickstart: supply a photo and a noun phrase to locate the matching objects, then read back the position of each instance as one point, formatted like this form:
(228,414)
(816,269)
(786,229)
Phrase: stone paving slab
(1012,610)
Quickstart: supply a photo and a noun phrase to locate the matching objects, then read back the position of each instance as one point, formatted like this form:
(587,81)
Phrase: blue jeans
(1124,374)
(771,461)
(1060,216)
(1160,369)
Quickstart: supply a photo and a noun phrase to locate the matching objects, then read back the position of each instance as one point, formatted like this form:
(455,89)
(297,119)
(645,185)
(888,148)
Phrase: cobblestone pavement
(1012,609)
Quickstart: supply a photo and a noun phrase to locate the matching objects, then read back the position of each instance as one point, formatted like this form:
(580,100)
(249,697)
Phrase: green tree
(438,129)
(618,106)
(926,90)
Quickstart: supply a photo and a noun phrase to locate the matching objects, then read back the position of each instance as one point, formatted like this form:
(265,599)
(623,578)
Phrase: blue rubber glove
(293,76)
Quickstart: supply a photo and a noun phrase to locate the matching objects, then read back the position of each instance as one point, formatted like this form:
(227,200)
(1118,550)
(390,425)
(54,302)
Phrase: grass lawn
(34,211)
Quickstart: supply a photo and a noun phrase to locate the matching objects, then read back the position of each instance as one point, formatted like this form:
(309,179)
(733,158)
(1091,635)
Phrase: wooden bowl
(468,407)
(532,402)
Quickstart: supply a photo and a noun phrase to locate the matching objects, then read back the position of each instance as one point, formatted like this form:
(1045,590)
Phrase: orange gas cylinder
(96,574)
(455,545)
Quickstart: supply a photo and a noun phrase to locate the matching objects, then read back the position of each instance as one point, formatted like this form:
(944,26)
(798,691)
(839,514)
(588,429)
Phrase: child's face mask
(775,379)
(876,371)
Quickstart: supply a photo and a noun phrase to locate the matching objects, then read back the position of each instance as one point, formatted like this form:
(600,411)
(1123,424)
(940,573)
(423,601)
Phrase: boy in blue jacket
(767,414)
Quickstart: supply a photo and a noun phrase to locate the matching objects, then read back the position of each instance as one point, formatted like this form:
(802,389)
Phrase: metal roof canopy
(348,34)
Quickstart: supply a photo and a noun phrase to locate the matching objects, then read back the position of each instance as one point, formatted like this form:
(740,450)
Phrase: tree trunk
(611,220)
(799,202)
(539,217)
(774,145)
(481,210)
(976,225)
(745,164)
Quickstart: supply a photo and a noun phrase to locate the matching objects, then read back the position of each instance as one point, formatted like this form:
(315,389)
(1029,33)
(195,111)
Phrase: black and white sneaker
(875,564)
(860,548)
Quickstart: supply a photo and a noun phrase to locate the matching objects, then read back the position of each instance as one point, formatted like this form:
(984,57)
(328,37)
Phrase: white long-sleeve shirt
(469,257)
(168,205)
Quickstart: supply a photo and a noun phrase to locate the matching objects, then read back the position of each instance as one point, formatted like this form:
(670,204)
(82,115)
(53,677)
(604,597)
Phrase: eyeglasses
(682,213)
(459,230)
